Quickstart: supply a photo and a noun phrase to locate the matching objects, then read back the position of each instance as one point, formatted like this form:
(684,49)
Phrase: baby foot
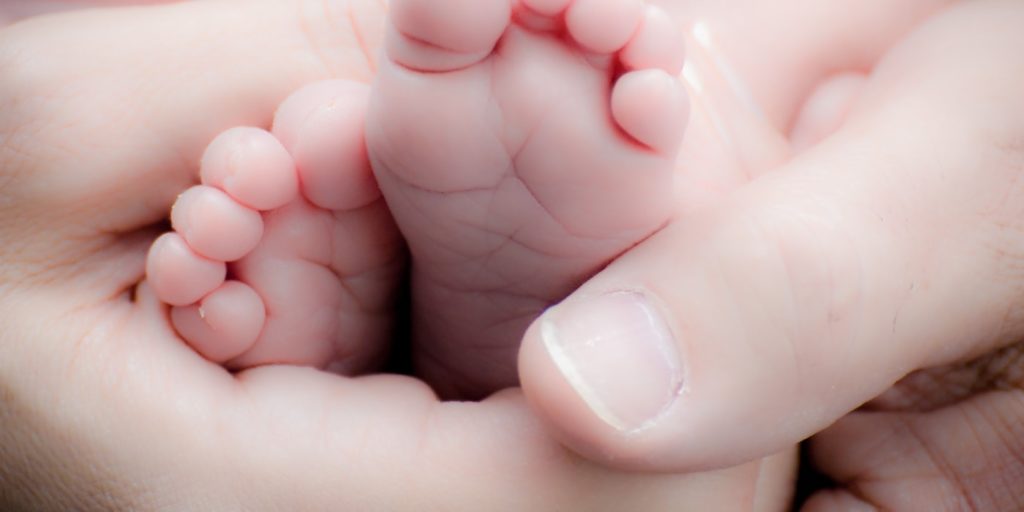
(521,146)
(285,253)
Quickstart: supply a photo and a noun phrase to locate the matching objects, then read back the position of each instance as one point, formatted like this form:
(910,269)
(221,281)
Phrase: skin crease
(89,264)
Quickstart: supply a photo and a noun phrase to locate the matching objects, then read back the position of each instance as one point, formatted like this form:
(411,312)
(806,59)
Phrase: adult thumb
(736,333)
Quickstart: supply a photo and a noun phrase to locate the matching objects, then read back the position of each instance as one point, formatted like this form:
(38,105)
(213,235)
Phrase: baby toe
(178,275)
(322,125)
(225,324)
(215,225)
(440,35)
(251,166)
(604,26)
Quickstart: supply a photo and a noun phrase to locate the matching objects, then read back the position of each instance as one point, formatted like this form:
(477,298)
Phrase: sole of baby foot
(521,147)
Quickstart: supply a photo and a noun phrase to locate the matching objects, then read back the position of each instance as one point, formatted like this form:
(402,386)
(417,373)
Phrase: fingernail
(618,354)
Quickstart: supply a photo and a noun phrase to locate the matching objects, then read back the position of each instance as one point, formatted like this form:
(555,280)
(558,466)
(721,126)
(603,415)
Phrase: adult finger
(960,457)
(735,333)
(117,414)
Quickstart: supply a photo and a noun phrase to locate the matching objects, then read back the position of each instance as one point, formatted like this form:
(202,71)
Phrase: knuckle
(798,274)
(816,264)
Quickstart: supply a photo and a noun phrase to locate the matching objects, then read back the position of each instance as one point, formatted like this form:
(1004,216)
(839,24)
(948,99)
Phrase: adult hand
(102,407)
(894,246)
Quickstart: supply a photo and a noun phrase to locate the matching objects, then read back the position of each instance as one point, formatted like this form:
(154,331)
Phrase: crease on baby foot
(505,289)
(428,190)
(513,172)
(472,59)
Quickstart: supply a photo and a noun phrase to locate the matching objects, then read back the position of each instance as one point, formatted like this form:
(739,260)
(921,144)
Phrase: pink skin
(512,156)
(139,404)
(312,275)
(488,256)
(854,258)
(247,171)
(99,392)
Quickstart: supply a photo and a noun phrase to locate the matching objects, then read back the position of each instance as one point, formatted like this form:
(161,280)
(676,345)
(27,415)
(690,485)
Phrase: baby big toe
(440,35)
(252,167)
(322,126)
(653,108)
(215,225)
(225,324)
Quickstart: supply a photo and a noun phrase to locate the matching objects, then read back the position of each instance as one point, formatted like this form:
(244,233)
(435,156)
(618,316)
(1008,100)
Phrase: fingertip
(550,396)
(601,392)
